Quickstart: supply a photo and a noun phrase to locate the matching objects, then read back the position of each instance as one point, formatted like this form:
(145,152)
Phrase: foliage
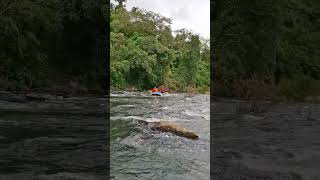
(144,52)
(272,42)
(46,41)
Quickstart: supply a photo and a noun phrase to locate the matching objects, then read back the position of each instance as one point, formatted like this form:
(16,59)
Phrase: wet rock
(175,128)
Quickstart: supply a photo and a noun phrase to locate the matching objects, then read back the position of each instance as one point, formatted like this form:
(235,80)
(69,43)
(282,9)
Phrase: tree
(120,4)
(268,42)
(145,53)
(46,41)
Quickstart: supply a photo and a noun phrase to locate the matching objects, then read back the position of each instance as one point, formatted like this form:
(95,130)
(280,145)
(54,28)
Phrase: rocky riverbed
(52,137)
(269,141)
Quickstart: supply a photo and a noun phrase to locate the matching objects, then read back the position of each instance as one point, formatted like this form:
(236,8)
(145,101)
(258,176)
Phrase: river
(140,153)
(262,140)
(65,138)
(53,139)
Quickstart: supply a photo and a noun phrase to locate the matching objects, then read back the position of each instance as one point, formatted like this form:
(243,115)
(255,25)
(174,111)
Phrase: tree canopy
(266,48)
(45,42)
(146,52)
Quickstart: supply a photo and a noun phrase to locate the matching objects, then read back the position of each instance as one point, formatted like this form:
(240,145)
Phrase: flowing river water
(255,140)
(55,138)
(140,153)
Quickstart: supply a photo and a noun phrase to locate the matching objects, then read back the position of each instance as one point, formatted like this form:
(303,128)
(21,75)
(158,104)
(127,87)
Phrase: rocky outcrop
(174,128)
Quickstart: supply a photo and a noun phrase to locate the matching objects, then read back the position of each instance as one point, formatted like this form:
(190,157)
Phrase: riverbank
(38,103)
(114,90)
(198,90)
(308,99)
(44,95)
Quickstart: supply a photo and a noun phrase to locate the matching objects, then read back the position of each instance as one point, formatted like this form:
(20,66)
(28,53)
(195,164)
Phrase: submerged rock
(175,128)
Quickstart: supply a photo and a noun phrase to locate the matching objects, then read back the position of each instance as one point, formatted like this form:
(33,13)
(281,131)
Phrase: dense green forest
(144,52)
(266,48)
(54,45)
(260,48)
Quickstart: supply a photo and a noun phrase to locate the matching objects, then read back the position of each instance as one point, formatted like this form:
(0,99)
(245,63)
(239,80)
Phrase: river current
(140,153)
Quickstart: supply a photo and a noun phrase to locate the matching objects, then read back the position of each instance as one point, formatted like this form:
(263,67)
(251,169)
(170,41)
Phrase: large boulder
(175,128)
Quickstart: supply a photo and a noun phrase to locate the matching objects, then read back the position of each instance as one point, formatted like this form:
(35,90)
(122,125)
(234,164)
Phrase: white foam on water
(133,117)
(114,117)
(126,117)
(206,117)
(191,113)
(115,95)
(153,120)
(122,94)
(126,105)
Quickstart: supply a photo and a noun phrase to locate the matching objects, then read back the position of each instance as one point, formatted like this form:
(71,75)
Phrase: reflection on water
(139,153)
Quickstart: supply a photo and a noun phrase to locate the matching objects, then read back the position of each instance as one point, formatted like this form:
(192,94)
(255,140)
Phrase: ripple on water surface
(139,153)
